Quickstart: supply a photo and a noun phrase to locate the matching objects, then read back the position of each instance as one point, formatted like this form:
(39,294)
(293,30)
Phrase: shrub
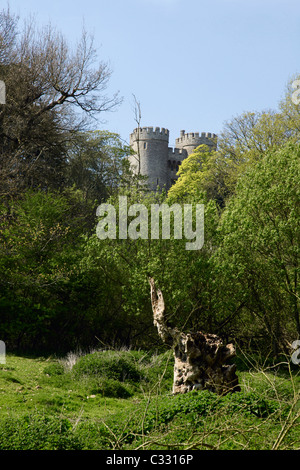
(119,366)
(54,369)
(111,388)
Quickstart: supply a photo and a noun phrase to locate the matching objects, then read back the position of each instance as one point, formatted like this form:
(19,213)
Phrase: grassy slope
(59,411)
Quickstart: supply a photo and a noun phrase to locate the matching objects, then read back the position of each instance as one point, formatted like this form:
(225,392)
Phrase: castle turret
(151,154)
(159,162)
(193,139)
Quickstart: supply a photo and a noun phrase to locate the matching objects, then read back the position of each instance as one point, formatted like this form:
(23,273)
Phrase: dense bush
(122,373)
(110,388)
(54,369)
(119,365)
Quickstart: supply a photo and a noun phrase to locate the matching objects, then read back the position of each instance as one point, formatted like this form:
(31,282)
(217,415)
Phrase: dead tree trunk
(199,358)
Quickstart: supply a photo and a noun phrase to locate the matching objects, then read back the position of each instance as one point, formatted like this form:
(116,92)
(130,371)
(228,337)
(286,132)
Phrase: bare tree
(51,92)
(7,35)
(138,118)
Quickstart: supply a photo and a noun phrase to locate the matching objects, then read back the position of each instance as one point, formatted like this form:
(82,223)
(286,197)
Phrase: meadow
(122,400)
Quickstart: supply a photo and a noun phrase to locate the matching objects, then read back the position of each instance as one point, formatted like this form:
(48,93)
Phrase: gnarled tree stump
(199,358)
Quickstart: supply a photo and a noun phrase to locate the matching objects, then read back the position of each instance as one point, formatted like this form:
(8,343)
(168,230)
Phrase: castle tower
(192,140)
(155,159)
(151,154)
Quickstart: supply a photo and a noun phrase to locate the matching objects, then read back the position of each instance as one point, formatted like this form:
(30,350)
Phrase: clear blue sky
(192,64)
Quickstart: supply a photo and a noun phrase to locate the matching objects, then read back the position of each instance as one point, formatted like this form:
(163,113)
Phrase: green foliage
(96,164)
(107,387)
(192,176)
(54,369)
(158,372)
(119,366)
(62,288)
(41,239)
(245,140)
(178,421)
(258,253)
(251,403)
(111,373)
(206,403)
(38,432)
(201,177)
(128,263)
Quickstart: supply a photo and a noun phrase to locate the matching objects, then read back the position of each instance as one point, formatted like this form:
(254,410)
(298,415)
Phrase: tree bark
(199,357)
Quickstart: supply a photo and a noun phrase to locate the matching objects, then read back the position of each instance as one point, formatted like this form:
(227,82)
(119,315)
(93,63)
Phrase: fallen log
(199,357)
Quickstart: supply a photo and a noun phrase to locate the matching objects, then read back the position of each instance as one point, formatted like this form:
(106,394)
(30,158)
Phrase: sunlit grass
(36,394)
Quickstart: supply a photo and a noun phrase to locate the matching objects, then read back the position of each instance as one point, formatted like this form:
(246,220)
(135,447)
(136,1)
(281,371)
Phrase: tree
(244,140)
(200,177)
(258,256)
(51,92)
(183,275)
(40,251)
(96,164)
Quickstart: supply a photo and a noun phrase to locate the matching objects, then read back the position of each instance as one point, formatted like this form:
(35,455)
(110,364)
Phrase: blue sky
(192,64)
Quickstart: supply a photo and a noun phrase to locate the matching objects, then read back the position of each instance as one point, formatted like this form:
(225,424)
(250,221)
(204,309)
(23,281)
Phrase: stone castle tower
(154,158)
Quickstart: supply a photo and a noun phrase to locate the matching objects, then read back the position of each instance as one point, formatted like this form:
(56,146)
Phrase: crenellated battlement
(195,138)
(150,133)
(175,152)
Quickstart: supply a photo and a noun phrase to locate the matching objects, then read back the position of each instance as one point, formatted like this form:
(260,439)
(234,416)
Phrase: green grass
(122,400)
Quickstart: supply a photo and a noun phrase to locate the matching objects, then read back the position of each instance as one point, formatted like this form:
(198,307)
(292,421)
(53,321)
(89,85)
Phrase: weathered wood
(199,358)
